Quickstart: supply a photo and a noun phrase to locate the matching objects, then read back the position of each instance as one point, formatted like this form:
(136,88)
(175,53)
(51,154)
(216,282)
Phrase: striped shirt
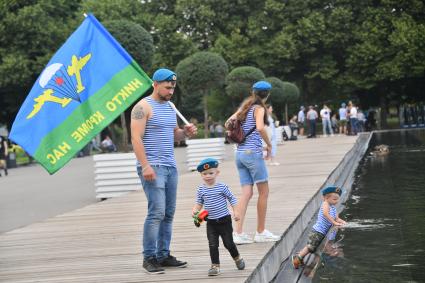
(214,199)
(159,134)
(253,141)
(322,224)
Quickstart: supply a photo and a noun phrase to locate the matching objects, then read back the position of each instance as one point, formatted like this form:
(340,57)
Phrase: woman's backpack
(235,132)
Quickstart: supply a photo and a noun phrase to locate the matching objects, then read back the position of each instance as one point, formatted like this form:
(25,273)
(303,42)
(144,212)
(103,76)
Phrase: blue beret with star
(164,75)
(262,85)
(332,189)
(206,164)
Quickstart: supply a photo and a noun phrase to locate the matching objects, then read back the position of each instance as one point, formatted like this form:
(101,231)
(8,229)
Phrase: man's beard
(164,97)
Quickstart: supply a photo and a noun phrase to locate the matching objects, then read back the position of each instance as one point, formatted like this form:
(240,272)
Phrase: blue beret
(164,75)
(206,164)
(262,85)
(332,189)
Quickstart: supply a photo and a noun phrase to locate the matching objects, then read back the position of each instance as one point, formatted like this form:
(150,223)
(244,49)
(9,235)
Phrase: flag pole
(178,113)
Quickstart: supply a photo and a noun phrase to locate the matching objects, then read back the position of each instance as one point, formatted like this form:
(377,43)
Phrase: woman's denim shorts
(251,166)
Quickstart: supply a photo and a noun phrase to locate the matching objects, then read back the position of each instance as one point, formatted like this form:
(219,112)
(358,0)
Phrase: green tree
(30,33)
(201,73)
(276,98)
(115,10)
(283,93)
(239,82)
(135,39)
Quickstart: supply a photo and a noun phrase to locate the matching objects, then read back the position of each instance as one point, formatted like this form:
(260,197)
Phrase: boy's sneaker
(214,270)
(172,261)
(240,263)
(241,239)
(265,236)
(297,261)
(152,266)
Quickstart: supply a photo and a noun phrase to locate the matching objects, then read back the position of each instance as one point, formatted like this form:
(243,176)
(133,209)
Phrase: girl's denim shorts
(252,167)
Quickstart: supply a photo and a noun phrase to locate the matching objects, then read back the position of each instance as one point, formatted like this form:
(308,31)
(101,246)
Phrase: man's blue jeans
(161,195)
(326,124)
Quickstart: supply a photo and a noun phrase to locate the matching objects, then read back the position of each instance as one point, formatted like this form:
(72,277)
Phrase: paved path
(29,194)
(101,242)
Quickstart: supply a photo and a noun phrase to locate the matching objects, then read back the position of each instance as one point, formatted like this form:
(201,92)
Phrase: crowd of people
(348,120)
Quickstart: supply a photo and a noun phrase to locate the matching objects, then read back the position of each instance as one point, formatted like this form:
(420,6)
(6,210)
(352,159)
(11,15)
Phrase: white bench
(198,149)
(115,174)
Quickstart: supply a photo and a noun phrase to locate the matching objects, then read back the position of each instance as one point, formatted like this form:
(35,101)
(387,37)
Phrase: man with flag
(153,132)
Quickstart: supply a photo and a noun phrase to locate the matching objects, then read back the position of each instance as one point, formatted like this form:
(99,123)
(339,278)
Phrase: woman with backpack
(250,162)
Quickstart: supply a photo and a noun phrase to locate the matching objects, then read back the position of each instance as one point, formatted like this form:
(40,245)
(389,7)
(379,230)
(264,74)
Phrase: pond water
(385,238)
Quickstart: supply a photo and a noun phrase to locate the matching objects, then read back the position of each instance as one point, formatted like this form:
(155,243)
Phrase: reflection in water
(384,240)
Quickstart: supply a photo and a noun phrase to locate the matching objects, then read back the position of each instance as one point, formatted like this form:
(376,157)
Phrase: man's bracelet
(144,169)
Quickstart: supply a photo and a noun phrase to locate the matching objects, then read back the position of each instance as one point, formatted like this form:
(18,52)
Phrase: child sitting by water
(213,197)
(326,218)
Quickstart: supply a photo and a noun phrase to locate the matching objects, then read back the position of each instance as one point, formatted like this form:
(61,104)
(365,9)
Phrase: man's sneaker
(214,270)
(240,263)
(171,261)
(241,239)
(265,236)
(297,261)
(152,266)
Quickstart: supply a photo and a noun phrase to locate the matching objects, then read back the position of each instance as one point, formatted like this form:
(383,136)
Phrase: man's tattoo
(137,113)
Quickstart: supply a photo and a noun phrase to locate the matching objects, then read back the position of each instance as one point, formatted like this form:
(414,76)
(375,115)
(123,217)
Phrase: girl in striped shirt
(326,218)
(213,197)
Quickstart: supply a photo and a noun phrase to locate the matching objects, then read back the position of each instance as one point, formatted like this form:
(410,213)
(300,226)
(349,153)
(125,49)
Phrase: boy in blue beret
(213,196)
(326,218)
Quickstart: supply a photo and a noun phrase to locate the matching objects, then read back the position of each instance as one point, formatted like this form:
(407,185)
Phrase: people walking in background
(301,121)
(213,197)
(342,111)
(293,125)
(250,163)
(153,132)
(272,136)
(4,150)
(107,145)
(334,123)
(327,217)
(311,118)
(361,121)
(212,130)
(353,118)
(219,130)
(325,114)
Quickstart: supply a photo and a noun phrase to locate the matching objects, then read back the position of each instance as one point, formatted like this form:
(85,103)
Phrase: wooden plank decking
(102,242)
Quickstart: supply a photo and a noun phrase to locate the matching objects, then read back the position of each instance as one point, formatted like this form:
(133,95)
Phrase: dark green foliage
(135,39)
(30,33)
(372,52)
(201,72)
(240,80)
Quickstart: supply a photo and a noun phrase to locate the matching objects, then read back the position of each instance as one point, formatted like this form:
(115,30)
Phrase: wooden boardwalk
(102,242)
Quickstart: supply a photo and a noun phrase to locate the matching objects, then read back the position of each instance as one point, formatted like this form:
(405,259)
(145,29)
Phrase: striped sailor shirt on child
(159,134)
(322,224)
(214,199)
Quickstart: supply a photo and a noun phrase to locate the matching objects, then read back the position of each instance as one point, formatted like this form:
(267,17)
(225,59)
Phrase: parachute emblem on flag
(66,82)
